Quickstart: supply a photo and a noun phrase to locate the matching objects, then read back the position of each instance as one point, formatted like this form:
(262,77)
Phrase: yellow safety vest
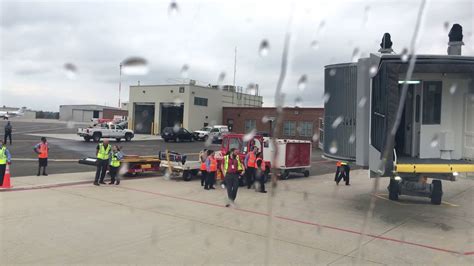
(226,164)
(114,162)
(103,152)
(3,155)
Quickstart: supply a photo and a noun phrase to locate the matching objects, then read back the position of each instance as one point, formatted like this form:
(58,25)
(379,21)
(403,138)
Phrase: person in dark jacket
(342,172)
(8,133)
(233,170)
(261,173)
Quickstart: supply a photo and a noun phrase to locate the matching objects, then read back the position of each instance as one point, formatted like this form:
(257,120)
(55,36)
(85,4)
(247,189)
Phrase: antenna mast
(120,85)
(235,64)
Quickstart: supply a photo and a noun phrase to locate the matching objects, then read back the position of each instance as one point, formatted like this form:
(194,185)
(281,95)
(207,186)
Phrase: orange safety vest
(262,166)
(251,160)
(43,149)
(213,164)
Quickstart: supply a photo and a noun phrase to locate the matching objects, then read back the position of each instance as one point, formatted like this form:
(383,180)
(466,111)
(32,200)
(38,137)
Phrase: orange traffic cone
(6,178)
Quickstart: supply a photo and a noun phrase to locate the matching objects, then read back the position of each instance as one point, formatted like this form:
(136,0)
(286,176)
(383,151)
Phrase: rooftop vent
(455,40)
(386,44)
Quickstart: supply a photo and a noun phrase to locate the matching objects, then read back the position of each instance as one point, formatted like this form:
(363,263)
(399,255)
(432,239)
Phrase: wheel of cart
(436,192)
(393,189)
(285,173)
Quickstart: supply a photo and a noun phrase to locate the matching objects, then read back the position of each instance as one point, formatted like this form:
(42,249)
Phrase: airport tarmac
(66,148)
(305,221)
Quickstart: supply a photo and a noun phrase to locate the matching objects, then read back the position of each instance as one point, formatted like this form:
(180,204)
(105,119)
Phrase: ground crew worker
(5,158)
(8,133)
(250,164)
(42,149)
(342,172)
(103,155)
(233,169)
(260,172)
(115,158)
(211,169)
(202,158)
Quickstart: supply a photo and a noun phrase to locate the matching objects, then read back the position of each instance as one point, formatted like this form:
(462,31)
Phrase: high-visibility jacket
(203,162)
(212,164)
(3,155)
(43,150)
(103,152)
(251,160)
(114,161)
(262,166)
(226,164)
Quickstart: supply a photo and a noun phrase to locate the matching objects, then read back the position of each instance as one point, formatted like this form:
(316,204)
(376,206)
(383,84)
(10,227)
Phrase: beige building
(154,107)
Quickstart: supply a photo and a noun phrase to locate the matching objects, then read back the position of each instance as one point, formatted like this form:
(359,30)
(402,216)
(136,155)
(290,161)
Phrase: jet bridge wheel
(393,189)
(436,192)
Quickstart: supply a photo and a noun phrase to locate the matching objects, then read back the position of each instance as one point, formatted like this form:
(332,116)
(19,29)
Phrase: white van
(217,133)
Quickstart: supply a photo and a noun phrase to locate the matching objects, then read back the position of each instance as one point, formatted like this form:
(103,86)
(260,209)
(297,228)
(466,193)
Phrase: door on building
(171,115)
(468,149)
(144,115)
(407,140)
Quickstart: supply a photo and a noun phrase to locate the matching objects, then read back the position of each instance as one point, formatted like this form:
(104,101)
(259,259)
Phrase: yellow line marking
(385,197)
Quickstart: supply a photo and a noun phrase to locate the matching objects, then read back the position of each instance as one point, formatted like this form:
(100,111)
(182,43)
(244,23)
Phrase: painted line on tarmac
(385,197)
(50,160)
(340,229)
(41,130)
(36,187)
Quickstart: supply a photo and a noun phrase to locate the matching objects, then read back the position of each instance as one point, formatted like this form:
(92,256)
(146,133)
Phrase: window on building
(250,124)
(181,89)
(432,103)
(306,129)
(95,114)
(289,128)
(200,101)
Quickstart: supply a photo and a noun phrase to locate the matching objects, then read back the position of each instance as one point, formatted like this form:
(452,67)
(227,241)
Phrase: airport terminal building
(154,107)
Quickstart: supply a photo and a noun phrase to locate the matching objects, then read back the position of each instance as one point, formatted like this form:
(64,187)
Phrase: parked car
(218,132)
(105,130)
(176,134)
(202,134)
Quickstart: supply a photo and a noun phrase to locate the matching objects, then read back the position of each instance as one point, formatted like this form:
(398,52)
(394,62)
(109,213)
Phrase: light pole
(120,85)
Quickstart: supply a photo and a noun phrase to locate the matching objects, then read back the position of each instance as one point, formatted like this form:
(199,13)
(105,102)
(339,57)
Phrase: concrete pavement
(307,221)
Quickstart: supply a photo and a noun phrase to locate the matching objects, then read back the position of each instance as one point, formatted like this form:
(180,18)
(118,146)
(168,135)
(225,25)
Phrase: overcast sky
(39,37)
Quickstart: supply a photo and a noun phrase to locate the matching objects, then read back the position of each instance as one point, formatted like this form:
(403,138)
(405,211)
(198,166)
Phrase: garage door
(77,115)
(88,116)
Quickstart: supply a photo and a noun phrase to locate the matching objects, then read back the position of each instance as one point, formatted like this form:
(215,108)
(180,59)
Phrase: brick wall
(240,114)
(109,113)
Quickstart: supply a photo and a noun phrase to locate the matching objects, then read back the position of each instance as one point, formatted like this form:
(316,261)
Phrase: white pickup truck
(106,130)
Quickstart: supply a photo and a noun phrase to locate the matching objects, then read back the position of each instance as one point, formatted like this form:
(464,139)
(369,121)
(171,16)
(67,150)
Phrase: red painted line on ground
(340,229)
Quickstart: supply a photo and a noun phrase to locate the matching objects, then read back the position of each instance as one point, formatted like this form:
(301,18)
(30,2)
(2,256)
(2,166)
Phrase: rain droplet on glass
(434,141)
(404,55)
(352,138)
(220,80)
(326,97)
(176,128)
(446,25)
(332,72)
(184,71)
(355,54)
(321,26)
(265,119)
(453,88)
(333,147)
(251,89)
(314,45)
(70,70)
(298,101)
(362,102)
(208,142)
(249,136)
(366,15)
(302,82)
(373,71)
(173,8)
(177,101)
(264,48)
(337,122)
(135,66)
(315,137)
(167,175)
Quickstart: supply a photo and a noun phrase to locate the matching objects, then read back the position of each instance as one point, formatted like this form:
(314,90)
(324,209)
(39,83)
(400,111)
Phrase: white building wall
(194,116)
(446,139)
